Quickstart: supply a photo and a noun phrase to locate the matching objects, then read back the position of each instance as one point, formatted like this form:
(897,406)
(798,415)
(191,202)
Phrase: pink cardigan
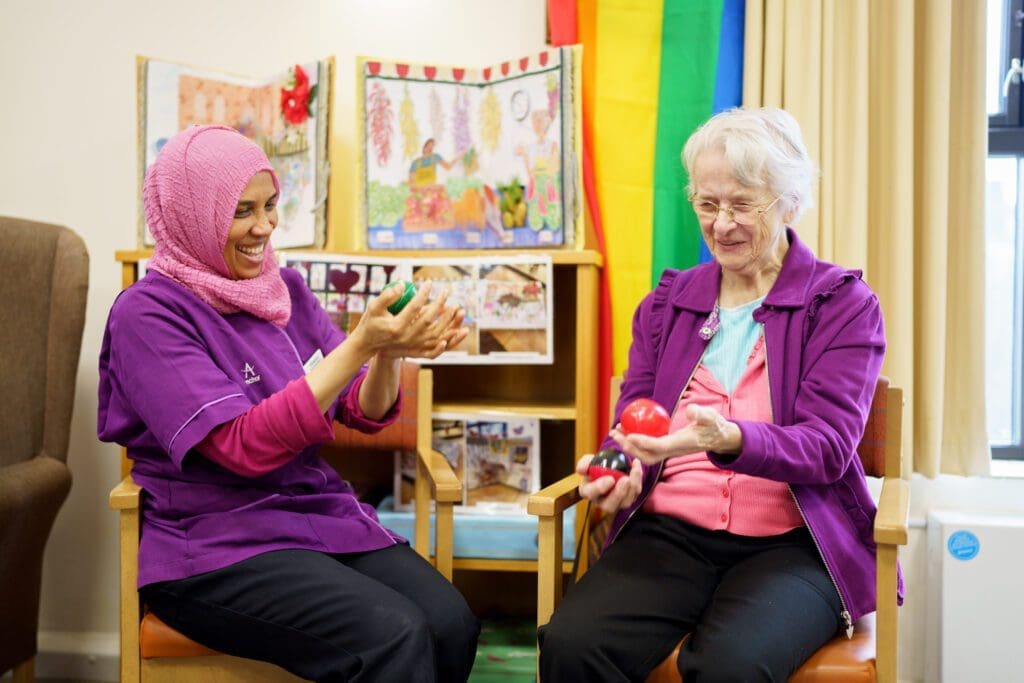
(693,489)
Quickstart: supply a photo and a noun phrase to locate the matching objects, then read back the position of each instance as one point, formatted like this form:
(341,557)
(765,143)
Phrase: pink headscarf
(190,195)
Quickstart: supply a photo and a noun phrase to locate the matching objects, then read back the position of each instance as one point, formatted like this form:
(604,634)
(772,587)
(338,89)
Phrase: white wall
(68,156)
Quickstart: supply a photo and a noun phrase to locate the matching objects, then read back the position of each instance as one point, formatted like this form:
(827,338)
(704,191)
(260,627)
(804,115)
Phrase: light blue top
(727,353)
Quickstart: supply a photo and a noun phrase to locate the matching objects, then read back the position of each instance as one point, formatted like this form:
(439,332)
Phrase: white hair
(765,149)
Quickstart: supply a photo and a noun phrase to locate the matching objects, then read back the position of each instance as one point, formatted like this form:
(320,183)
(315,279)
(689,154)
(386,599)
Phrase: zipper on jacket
(845,613)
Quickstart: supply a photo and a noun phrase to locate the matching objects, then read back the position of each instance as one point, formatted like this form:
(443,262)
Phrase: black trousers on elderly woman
(385,615)
(757,607)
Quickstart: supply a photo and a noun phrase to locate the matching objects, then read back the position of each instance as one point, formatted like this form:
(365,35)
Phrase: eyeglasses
(741,214)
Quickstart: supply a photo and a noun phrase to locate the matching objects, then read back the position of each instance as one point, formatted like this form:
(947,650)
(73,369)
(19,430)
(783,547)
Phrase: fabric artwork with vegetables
(470,158)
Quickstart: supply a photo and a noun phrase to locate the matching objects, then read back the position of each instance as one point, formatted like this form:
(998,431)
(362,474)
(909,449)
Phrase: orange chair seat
(157,639)
(841,660)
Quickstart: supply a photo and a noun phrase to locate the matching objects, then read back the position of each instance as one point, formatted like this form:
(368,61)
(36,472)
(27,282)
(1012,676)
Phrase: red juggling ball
(644,416)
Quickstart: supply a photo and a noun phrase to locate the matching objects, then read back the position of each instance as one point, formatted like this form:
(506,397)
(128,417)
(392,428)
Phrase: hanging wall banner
(286,114)
(470,158)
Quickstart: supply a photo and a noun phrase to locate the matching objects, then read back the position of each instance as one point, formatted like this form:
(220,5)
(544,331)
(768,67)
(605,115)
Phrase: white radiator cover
(975,598)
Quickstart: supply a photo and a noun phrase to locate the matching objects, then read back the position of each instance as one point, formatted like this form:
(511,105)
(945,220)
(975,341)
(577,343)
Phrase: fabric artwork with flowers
(286,114)
(470,158)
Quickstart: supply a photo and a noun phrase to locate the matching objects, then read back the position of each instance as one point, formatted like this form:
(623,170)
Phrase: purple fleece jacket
(825,342)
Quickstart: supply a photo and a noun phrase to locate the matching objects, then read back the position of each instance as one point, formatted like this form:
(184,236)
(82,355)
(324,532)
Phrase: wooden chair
(152,652)
(871,655)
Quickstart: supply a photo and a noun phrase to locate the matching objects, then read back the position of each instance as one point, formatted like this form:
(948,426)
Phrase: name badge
(313,361)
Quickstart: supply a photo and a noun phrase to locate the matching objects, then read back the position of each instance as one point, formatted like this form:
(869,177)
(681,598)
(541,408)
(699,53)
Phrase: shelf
(558,256)
(482,564)
(564,410)
(132,255)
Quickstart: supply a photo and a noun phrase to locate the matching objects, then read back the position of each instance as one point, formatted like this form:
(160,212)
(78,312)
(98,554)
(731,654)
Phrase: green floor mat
(506,653)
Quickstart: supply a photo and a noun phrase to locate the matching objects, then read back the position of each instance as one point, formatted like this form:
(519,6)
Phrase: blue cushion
(504,537)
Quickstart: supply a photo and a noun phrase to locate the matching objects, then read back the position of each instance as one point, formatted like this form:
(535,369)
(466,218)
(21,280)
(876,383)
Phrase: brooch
(710,326)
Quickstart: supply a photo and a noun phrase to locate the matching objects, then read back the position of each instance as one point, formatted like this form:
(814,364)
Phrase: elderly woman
(747,528)
(221,375)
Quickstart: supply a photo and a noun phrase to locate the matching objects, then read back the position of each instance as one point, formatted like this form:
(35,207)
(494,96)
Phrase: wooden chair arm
(445,487)
(554,499)
(435,481)
(125,495)
(125,498)
(891,524)
(548,505)
(893,516)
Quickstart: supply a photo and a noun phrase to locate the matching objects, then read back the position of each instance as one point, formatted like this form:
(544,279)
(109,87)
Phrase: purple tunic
(172,369)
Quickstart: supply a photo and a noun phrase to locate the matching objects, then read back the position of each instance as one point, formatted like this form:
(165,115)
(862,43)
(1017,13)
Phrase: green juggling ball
(407,294)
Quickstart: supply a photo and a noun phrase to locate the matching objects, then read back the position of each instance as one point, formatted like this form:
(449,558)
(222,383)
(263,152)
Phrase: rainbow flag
(653,71)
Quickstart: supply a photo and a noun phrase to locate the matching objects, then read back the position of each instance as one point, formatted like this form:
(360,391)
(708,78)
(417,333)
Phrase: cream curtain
(890,97)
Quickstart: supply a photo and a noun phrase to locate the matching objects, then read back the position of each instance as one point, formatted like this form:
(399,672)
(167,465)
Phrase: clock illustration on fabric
(520,105)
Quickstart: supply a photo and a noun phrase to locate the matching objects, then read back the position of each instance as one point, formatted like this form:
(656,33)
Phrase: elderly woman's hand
(607,493)
(708,430)
(711,431)
(423,328)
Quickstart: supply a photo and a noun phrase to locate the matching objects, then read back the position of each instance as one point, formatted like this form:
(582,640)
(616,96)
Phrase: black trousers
(385,615)
(757,607)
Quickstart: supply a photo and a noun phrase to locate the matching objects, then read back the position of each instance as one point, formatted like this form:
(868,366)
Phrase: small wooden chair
(871,655)
(153,652)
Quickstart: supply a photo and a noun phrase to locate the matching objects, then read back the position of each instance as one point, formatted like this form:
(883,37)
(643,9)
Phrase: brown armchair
(44,279)
(152,652)
(872,652)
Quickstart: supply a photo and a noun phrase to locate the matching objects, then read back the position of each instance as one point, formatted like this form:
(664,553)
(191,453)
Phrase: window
(1004,218)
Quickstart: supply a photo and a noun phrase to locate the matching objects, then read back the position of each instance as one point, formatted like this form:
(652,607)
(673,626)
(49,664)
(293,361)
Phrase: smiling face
(255,218)
(748,251)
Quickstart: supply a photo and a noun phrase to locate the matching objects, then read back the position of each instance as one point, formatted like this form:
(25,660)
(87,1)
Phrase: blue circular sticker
(963,545)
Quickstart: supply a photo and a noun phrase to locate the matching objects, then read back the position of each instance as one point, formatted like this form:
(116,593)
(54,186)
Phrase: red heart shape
(343,280)
(430,72)
(402,70)
(374,68)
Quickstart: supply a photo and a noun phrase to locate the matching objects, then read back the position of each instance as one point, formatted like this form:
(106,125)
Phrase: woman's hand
(423,329)
(712,432)
(707,430)
(607,493)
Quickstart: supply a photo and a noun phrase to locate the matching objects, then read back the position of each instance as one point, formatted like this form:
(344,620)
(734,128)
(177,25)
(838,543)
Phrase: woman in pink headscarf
(221,374)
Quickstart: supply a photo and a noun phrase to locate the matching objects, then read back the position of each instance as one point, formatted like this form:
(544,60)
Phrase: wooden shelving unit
(562,395)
